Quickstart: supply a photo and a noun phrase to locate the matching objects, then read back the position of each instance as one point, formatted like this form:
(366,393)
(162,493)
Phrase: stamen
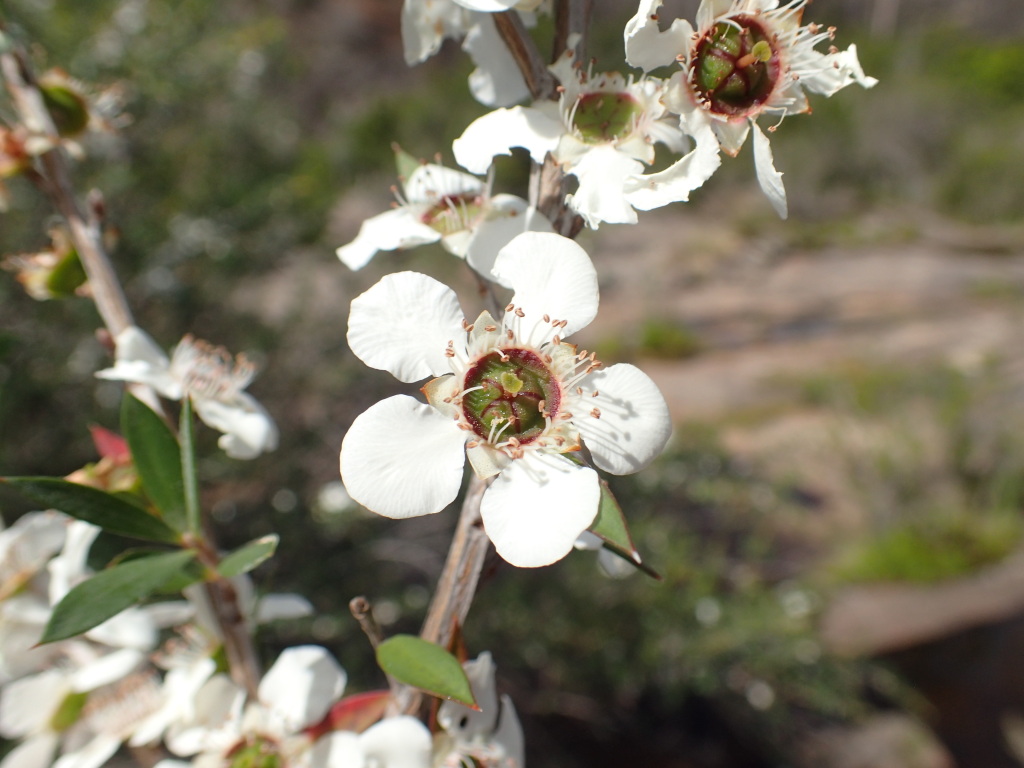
(596,413)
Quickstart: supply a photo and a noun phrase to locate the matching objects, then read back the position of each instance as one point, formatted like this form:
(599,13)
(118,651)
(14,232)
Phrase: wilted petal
(302,685)
(388,231)
(675,183)
(602,174)
(402,458)
(769,179)
(537,507)
(403,325)
(551,275)
(634,422)
(497,132)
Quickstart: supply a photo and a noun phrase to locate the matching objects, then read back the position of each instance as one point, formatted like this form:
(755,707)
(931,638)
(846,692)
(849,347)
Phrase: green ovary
(256,753)
(735,67)
(68,712)
(453,213)
(603,117)
(510,395)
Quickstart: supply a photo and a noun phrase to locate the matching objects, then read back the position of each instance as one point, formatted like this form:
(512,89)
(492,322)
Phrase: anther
(510,307)
(490,328)
(556,339)
(510,334)
(519,312)
(596,413)
(547,318)
(473,444)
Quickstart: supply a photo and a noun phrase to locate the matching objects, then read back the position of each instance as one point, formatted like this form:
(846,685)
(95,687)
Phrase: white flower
(295,693)
(745,59)
(511,395)
(490,737)
(602,131)
(441,204)
(208,376)
(397,742)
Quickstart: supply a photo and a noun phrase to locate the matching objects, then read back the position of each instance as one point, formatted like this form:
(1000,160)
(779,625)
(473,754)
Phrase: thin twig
(572,22)
(539,80)
(456,587)
(362,611)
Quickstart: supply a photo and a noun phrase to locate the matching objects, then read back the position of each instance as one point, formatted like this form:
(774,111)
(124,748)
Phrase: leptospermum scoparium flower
(206,374)
(745,59)
(509,394)
(443,205)
(602,130)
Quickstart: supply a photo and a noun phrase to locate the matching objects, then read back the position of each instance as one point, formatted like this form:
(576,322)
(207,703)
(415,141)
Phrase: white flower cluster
(74,703)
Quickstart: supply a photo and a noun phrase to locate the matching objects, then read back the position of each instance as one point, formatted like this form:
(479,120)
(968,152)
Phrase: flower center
(209,372)
(255,752)
(603,117)
(453,213)
(514,393)
(735,68)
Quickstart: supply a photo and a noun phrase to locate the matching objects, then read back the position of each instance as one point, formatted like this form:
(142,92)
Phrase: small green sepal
(610,527)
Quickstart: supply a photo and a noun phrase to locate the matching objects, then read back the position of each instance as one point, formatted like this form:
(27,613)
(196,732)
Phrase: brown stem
(572,17)
(539,80)
(456,586)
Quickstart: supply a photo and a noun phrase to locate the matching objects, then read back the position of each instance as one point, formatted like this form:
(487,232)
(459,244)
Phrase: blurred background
(837,520)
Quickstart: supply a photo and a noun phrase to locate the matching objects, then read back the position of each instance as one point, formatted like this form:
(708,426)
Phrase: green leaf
(426,666)
(248,556)
(111,591)
(109,512)
(610,527)
(66,276)
(406,163)
(157,458)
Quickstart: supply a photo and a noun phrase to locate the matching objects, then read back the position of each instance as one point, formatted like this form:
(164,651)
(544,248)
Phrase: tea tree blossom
(206,374)
(602,130)
(744,59)
(443,205)
(490,737)
(511,395)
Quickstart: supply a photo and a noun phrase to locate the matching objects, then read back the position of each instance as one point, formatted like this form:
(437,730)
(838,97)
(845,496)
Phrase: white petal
(36,752)
(138,359)
(425,25)
(634,424)
(510,216)
(26,705)
(398,742)
(551,275)
(839,70)
(403,325)
(430,183)
(497,81)
(402,458)
(487,6)
(278,607)
(537,507)
(647,47)
(93,754)
(302,685)
(460,721)
(602,174)
(509,733)
(675,183)
(731,134)
(68,568)
(247,427)
(497,132)
(388,231)
(337,749)
(131,628)
(107,669)
(769,179)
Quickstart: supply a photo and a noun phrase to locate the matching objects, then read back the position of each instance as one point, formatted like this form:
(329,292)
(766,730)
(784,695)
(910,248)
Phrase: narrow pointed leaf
(111,591)
(248,556)
(157,458)
(105,510)
(426,666)
(610,527)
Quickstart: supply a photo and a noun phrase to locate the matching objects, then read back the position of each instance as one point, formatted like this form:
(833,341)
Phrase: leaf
(426,666)
(406,164)
(610,527)
(157,457)
(248,556)
(109,512)
(111,591)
